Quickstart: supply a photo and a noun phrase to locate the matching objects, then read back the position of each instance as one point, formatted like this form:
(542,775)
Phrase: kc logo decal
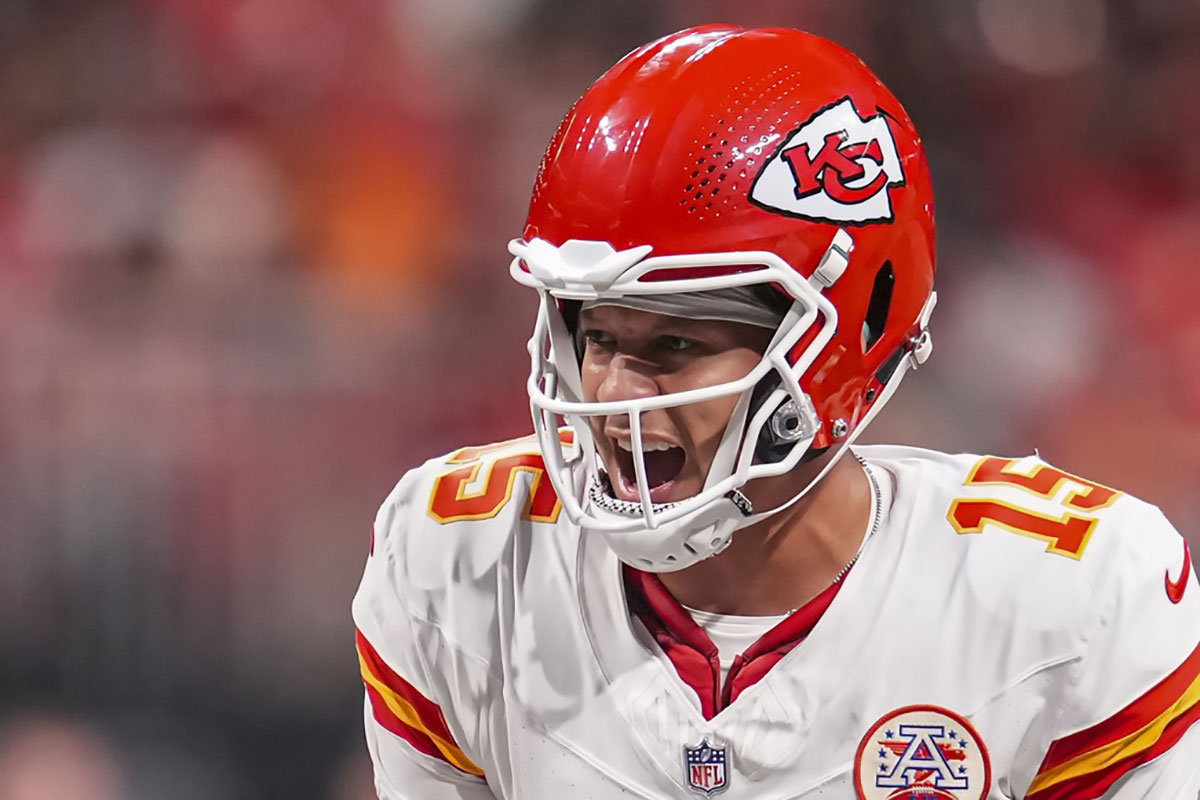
(836,167)
(922,752)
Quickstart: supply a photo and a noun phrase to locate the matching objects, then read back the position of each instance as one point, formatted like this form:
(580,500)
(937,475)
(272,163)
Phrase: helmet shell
(666,150)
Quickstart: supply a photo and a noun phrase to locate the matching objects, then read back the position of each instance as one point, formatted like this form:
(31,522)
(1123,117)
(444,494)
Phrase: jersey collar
(693,653)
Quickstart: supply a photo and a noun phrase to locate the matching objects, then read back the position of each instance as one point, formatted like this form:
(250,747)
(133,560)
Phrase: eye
(674,344)
(595,337)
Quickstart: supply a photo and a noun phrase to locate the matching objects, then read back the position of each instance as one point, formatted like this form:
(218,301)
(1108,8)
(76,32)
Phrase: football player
(687,582)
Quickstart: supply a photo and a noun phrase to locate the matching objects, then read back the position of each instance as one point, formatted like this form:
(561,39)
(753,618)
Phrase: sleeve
(1127,730)
(410,728)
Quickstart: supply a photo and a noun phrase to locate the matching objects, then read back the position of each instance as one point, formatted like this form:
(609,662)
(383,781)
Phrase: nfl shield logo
(705,767)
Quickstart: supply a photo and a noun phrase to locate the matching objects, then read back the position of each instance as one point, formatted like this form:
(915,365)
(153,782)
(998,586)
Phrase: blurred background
(252,268)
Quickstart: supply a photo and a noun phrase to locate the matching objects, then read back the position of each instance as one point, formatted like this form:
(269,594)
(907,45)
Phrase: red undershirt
(693,653)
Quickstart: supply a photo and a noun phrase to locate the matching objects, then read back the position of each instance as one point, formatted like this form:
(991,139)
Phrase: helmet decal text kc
(836,167)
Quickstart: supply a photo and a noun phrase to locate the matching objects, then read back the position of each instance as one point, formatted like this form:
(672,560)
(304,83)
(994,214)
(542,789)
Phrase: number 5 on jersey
(483,483)
(1066,535)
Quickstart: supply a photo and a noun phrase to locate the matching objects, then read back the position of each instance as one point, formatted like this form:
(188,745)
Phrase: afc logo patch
(706,768)
(923,752)
(837,167)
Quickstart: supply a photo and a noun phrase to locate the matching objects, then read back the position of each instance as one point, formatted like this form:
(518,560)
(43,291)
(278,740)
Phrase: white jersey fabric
(1010,632)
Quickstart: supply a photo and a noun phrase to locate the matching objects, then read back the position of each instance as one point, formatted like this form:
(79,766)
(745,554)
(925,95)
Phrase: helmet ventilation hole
(879,305)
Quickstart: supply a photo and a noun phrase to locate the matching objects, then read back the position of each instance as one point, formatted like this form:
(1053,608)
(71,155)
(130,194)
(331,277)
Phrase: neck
(787,559)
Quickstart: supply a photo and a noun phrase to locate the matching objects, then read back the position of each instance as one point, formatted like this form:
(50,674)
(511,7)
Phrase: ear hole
(884,374)
(879,305)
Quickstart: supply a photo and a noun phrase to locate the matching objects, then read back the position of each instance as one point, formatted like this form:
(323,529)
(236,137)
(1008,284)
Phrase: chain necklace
(877,509)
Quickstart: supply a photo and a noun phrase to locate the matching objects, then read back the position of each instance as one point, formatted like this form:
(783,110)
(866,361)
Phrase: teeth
(647,446)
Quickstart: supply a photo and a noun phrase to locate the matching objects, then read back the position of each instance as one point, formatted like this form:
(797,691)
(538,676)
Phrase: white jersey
(1011,631)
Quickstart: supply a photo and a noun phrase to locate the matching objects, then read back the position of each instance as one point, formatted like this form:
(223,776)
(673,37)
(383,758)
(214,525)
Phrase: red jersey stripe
(1128,720)
(1093,785)
(403,710)
(429,712)
(1084,764)
(390,722)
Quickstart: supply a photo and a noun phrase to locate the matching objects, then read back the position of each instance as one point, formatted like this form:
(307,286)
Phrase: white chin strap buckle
(741,501)
(834,262)
(922,345)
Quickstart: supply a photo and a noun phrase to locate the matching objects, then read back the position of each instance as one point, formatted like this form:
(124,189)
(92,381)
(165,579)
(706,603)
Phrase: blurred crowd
(252,268)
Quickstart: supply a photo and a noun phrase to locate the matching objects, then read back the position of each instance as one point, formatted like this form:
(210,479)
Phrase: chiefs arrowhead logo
(836,167)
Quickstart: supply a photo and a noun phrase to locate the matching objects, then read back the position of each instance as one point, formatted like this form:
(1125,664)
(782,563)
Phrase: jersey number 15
(1066,534)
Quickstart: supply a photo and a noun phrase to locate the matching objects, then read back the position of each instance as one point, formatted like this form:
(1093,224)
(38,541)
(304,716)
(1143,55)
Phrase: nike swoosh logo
(1176,588)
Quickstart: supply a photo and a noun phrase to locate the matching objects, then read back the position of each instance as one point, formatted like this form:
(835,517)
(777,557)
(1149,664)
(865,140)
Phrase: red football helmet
(719,157)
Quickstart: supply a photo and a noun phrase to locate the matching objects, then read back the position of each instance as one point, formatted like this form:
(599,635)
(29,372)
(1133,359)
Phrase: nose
(625,378)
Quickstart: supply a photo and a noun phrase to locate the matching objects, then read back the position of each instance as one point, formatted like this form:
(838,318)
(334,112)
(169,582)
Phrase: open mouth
(664,463)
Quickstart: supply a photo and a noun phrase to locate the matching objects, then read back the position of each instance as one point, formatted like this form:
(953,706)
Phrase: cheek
(725,367)
(714,416)
(705,421)
(591,376)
